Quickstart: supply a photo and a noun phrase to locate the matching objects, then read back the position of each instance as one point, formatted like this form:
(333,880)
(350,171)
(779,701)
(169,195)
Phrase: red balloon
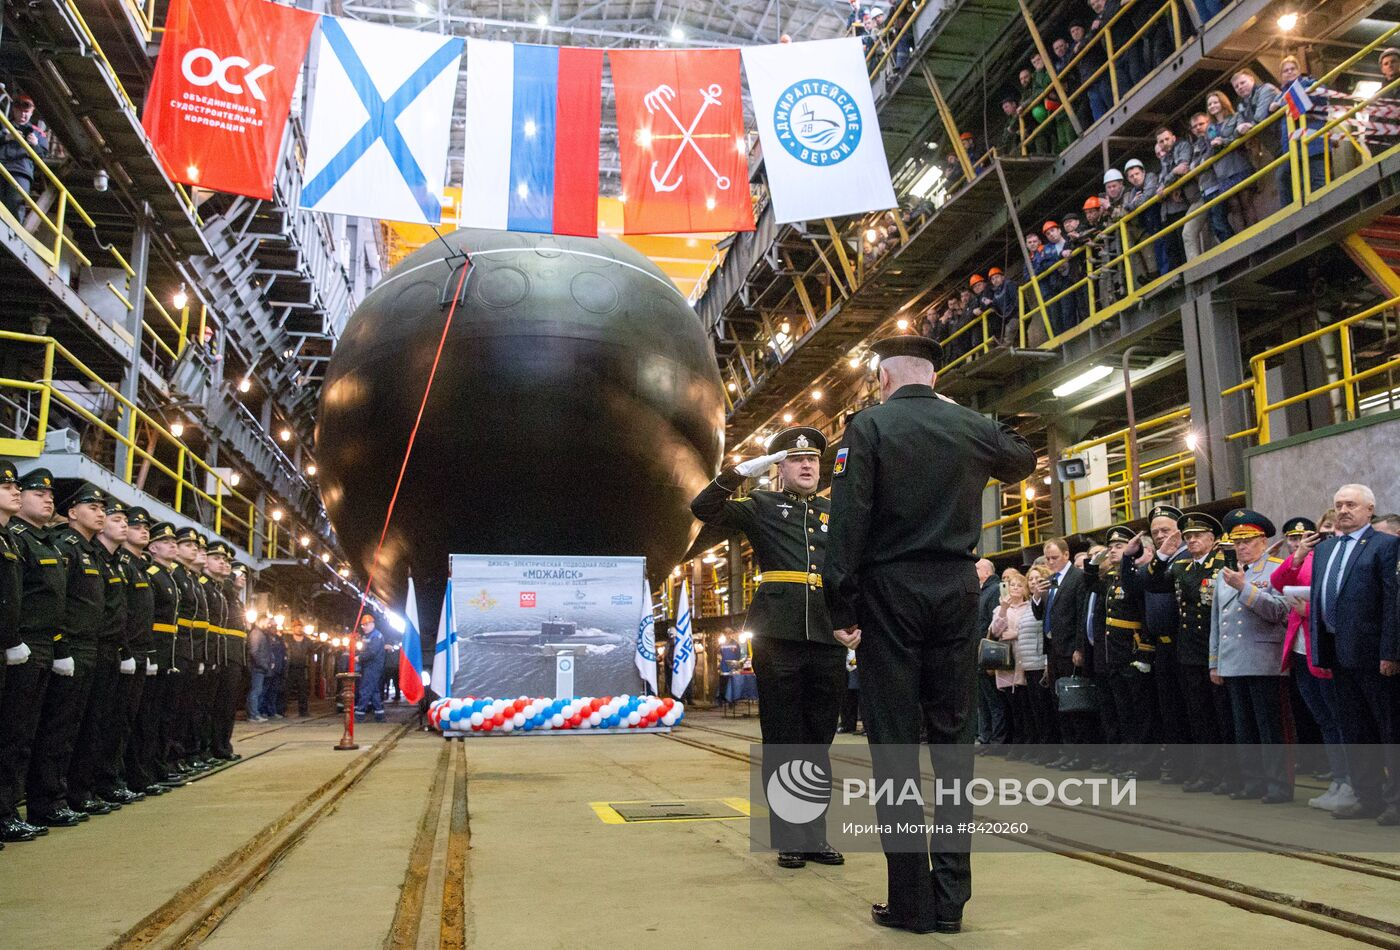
(595,704)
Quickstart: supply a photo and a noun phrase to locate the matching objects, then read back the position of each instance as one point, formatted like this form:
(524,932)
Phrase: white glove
(200,671)
(128,665)
(756,466)
(151,668)
(1142,667)
(63,667)
(14,656)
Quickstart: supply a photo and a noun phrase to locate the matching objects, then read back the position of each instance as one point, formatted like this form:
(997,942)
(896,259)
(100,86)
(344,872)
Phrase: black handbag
(995,655)
(1076,694)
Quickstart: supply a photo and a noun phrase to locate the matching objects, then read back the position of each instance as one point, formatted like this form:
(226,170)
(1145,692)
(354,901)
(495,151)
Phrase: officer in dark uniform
(113,668)
(43,593)
(906,516)
(65,700)
(122,770)
(212,584)
(11,641)
(159,719)
(1160,621)
(801,668)
(206,648)
(1208,713)
(1123,654)
(235,651)
(189,648)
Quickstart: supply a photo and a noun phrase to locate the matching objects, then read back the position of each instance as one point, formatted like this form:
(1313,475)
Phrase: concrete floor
(544,871)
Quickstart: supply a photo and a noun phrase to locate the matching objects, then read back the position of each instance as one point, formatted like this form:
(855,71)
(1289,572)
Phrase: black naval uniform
(179,710)
(210,719)
(44,590)
(10,587)
(234,668)
(1208,712)
(906,517)
(1119,643)
(125,767)
(159,713)
(93,743)
(65,700)
(801,669)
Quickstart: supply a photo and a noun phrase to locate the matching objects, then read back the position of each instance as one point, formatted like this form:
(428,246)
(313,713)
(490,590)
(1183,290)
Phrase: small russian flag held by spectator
(1297,99)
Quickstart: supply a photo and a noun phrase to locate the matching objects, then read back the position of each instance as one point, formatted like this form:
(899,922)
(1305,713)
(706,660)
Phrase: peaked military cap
(1120,532)
(1164,511)
(1244,523)
(187,534)
(116,506)
(1199,521)
(162,531)
(37,479)
(798,440)
(907,344)
(8,473)
(87,492)
(240,568)
(203,540)
(1298,526)
(220,547)
(136,515)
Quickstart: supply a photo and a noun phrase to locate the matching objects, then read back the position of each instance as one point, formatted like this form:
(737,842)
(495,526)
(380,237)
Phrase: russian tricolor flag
(411,651)
(533,117)
(1297,99)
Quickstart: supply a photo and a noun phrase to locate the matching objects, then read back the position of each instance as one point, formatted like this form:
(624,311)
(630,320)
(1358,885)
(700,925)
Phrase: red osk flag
(222,89)
(680,130)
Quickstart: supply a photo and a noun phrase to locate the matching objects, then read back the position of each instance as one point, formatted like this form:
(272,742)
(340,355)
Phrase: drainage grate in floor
(705,809)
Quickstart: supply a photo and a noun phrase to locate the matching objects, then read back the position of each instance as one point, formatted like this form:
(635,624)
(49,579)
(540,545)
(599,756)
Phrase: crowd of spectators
(16,158)
(1184,639)
(881,36)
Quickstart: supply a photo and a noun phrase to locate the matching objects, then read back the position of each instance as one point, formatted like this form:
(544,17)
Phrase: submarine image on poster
(576,411)
(551,633)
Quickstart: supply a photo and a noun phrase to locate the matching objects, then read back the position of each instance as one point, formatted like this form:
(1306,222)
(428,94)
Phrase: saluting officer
(1207,705)
(232,641)
(65,700)
(160,717)
(1248,621)
(906,516)
(124,768)
(1161,624)
(193,618)
(801,668)
(1123,652)
(44,591)
(211,717)
(11,639)
(114,666)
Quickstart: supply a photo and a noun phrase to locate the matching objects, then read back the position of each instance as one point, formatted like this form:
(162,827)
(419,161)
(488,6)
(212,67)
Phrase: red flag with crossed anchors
(680,130)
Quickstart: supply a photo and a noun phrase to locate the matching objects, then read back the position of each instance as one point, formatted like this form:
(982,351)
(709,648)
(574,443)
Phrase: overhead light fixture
(1287,22)
(344,572)
(1193,441)
(902,323)
(871,235)
(251,615)
(325,558)
(306,540)
(1087,378)
(279,619)
(854,361)
(192,172)
(311,469)
(787,417)
(1366,88)
(677,34)
(177,429)
(277,514)
(817,395)
(234,479)
(733,387)
(285,435)
(1030,493)
(542,20)
(181,298)
(785,327)
(245,384)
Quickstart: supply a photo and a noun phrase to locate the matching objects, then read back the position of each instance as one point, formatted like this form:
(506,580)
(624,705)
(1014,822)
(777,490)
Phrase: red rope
(393,499)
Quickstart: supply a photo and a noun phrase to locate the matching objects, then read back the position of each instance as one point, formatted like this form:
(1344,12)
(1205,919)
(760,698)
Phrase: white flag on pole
(821,137)
(646,641)
(443,650)
(683,651)
(381,110)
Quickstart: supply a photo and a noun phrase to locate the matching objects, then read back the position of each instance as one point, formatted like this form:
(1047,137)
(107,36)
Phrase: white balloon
(518,719)
(556,721)
(594,719)
(634,718)
(477,719)
(507,726)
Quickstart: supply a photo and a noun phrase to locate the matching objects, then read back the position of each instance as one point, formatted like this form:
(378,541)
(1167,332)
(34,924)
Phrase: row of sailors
(125,651)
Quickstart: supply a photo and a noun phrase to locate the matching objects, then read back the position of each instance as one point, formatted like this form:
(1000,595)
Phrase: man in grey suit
(1247,625)
(1356,635)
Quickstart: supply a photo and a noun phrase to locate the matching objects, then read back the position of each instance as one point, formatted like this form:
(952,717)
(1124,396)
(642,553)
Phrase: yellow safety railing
(980,338)
(1117,270)
(234,515)
(1021,521)
(1347,380)
(1118,486)
(1102,40)
(884,47)
(53,252)
(144,13)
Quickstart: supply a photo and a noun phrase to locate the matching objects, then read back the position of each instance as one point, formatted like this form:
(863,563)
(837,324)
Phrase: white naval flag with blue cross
(683,646)
(821,138)
(381,108)
(646,640)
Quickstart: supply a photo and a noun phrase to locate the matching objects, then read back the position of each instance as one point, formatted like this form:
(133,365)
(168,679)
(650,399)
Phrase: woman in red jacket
(1313,683)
